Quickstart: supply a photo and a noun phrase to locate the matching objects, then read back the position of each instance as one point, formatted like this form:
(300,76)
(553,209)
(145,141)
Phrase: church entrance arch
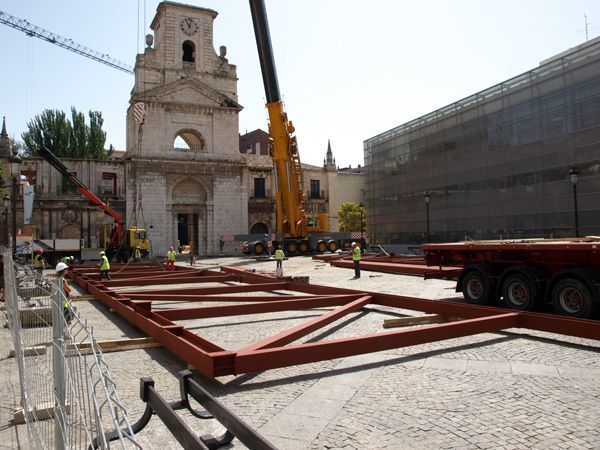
(189,216)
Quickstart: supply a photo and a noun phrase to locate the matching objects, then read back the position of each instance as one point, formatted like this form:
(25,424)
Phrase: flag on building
(139,112)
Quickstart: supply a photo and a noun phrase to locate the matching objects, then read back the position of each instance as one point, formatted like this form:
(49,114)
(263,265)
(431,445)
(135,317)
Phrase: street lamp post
(362,228)
(573,174)
(427,198)
(15,165)
(6,203)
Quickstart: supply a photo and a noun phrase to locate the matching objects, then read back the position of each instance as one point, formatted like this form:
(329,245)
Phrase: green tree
(51,129)
(67,138)
(78,142)
(350,217)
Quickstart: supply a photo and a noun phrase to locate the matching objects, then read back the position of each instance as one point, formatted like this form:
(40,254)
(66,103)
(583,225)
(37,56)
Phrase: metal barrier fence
(68,398)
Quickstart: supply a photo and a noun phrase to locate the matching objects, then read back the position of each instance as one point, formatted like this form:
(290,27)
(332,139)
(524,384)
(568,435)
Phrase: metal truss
(407,265)
(284,349)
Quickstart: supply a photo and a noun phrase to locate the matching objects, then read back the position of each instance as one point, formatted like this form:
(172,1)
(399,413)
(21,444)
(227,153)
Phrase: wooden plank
(82,298)
(417,320)
(29,351)
(117,345)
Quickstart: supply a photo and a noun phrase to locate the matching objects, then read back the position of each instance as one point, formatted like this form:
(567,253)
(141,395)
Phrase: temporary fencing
(68,397)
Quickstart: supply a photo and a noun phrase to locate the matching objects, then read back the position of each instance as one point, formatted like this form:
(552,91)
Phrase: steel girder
(284,348)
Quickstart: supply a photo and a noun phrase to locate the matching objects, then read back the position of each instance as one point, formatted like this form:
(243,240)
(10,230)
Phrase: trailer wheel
(477,288)
(291,248)
(258,248)
(519,292)
(332,246)
(303,247)
(572,297)
(321,246)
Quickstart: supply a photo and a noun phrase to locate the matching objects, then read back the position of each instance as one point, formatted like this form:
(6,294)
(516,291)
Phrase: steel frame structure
(407,265)
(285,348)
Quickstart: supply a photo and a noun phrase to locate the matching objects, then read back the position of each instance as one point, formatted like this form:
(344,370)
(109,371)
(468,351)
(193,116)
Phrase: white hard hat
(102,253)
(354,243)
(61,266)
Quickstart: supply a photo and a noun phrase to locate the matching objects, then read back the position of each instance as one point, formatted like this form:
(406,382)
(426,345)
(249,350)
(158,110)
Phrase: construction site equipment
(166,411)
(296,231)
(270,295)
(116,240)
(258,244)
(526,273)
(34,31)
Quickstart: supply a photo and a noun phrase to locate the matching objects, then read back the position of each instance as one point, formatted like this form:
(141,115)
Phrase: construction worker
(68,260)
(171,257)
(61,269)
(104,266)
(38,262)
(279,255)
(356,255)
(137,255)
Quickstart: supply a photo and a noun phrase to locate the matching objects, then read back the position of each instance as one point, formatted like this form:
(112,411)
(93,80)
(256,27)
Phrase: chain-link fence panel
(68,397)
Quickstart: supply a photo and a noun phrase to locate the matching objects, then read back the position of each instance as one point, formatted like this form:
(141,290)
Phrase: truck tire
(303,247)
(332,246)
(574,298)
(520,291)
(291,248)
(258,248)
(477,288)
(321,246)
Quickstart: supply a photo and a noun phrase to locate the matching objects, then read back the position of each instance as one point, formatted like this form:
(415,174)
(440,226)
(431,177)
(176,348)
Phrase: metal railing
(68,397)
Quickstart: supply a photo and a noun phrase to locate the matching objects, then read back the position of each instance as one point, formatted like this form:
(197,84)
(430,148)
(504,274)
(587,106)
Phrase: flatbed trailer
(526,274)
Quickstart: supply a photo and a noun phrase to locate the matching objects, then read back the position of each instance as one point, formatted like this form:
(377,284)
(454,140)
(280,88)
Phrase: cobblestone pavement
(512,389)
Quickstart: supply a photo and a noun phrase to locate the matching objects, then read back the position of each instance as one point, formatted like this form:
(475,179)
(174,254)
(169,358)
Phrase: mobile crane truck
(118,242)
(295,232)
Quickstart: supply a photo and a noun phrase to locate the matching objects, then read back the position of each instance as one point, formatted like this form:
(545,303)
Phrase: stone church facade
(184,171)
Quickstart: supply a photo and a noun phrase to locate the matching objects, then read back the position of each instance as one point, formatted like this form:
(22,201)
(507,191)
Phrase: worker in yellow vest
(356,255)
(279,255)
(137,255)
(104,267)
(38,262)
(171,257)
(61,269)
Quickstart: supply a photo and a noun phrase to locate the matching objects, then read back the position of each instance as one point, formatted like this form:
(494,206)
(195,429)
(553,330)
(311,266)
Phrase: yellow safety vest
(38,262)
(279,255)
(356,254)
(136,253)
(171,255)
(105,264)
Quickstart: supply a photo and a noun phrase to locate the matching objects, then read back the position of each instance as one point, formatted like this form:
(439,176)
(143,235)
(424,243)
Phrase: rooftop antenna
(587,38)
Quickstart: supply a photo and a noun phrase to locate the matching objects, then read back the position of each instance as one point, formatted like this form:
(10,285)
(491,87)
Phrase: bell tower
(186,93)
(183,135)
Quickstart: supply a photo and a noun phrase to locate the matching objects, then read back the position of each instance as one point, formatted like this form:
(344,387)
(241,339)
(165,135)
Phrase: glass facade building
(495,164)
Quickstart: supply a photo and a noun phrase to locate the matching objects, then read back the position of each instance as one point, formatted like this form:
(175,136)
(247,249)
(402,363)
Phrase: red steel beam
(271,358)
(174,297)
(393,267)
(273,352)
(181,279)
(297,332)
(259,287)
(255,308)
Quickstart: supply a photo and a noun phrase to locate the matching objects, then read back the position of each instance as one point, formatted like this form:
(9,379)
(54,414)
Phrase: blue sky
(348,69)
